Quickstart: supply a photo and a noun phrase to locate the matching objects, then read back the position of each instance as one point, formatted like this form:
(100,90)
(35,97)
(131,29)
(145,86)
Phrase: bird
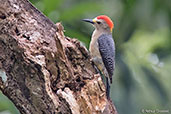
(102,48)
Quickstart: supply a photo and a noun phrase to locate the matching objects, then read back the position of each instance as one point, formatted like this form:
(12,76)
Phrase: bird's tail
(107,88)
(110,79)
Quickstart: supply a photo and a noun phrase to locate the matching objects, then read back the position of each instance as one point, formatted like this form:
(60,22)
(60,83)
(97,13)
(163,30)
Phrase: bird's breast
(94,49)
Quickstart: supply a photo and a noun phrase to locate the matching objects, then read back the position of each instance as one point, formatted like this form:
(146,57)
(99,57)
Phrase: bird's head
(101,22)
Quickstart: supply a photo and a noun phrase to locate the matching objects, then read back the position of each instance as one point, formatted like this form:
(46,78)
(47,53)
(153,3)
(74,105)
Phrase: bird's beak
(89,20)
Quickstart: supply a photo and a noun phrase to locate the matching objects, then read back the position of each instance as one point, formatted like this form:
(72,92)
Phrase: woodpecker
(102,47)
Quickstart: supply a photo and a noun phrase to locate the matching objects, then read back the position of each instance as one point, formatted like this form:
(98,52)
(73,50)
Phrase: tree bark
(41,70)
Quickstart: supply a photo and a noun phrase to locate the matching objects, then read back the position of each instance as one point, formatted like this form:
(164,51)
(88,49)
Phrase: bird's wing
(107,51)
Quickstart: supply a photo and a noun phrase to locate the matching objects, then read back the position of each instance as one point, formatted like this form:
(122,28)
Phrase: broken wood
(45,72)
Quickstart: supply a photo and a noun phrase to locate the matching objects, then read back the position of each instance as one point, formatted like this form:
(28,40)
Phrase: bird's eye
(98,22)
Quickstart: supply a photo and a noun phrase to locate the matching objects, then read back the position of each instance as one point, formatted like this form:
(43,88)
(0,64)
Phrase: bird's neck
(98,32)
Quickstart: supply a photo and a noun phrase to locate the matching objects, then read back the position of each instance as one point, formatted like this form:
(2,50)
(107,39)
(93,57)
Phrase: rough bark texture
(45,72)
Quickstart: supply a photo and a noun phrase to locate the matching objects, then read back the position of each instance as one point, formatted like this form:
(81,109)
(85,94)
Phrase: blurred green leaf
(75,34)
(77,10)
(6,104)
(51,5)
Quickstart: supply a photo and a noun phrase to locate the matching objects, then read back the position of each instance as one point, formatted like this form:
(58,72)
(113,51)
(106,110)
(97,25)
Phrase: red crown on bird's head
(107,19)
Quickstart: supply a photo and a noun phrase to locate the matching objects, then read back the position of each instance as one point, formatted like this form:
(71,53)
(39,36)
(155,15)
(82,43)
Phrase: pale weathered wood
(45,72)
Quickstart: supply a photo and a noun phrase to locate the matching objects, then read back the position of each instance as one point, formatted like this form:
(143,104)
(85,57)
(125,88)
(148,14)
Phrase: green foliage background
(143,47)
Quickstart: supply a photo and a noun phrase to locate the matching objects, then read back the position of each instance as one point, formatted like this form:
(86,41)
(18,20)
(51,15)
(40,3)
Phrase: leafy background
(143,46)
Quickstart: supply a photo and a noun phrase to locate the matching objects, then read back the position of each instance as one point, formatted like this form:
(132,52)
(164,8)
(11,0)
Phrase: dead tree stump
(44,71)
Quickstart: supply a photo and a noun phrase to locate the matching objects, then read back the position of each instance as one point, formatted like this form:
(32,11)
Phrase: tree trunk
(43,71)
